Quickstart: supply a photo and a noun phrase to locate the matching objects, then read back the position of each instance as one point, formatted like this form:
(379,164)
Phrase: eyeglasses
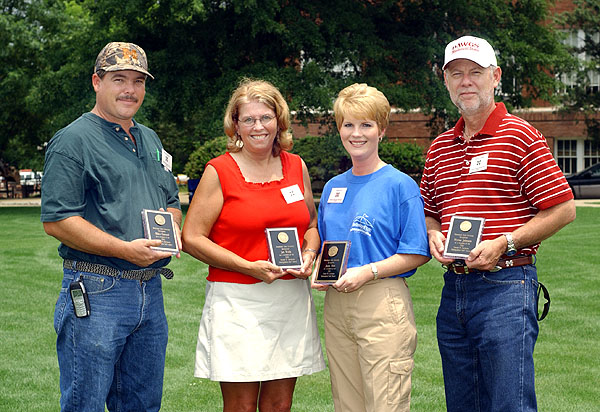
(251,121)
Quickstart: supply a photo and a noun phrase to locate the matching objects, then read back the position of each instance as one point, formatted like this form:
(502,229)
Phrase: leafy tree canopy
(586,17)
(199,49)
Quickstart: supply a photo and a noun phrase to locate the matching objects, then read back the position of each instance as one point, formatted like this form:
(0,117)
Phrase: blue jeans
(116,356)
(486,330)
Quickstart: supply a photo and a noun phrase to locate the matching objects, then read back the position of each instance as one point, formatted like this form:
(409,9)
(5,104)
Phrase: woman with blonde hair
(370,330)
(258,330)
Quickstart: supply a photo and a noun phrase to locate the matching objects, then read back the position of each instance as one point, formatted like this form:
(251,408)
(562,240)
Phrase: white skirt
(258,332)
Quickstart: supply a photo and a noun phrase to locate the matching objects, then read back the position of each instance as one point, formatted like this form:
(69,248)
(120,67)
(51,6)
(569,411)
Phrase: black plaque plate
(333,261)
(159,225)
(463,236)
(284,247)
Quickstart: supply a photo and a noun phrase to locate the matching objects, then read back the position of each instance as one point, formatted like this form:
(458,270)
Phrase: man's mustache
(128,97)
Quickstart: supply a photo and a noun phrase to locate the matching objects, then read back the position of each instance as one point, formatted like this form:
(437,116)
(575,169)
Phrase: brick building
(566,133)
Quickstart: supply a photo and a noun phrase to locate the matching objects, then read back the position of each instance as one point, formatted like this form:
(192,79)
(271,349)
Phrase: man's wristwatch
(374,270)
(511,250)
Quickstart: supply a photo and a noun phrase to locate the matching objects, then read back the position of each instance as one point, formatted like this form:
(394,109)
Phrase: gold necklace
(466,136)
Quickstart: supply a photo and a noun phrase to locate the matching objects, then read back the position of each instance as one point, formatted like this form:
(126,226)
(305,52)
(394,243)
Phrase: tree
(581,97)
(199,49)
(32,57)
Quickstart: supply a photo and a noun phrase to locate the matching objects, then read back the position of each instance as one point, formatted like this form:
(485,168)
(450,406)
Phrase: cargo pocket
(399,382)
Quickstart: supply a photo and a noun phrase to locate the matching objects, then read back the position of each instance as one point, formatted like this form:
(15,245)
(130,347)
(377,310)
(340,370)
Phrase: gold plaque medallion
(160,220)
(333,250)
(465,226)
(283,237)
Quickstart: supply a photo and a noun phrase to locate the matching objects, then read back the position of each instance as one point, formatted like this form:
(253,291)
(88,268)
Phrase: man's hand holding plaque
(159,225)
(463,236)
(284,247)
(333,261)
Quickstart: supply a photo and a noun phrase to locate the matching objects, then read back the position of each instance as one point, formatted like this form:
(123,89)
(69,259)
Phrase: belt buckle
(452,266)
(465,269)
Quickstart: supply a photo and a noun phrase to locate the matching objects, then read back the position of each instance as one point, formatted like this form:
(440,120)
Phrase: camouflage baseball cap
(122,56)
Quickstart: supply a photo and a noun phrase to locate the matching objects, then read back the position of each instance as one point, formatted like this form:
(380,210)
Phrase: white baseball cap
(470,48)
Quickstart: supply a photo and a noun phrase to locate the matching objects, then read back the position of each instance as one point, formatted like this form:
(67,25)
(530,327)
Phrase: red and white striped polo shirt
(521,176)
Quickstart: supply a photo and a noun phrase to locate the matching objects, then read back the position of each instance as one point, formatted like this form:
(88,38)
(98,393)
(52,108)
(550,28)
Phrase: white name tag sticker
(167,160)
(337,195)
(292,194)
(478,163)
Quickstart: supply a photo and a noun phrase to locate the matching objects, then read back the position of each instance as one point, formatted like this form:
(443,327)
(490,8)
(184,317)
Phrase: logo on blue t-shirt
(361,224)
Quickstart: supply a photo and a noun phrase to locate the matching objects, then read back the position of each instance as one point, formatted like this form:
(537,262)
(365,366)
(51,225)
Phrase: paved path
(35,201)
(587,202)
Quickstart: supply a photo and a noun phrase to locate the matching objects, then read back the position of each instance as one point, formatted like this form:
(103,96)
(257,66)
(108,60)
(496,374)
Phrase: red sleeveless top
(250,208)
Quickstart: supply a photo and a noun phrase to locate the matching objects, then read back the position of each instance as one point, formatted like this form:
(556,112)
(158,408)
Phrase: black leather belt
(462,269)
(142,275)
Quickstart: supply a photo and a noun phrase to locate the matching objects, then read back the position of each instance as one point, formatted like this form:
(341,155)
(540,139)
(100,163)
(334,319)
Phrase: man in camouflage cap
(117,56)
(100,172)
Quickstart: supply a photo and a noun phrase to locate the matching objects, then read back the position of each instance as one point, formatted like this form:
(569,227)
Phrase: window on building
(566,155)
(591,153)
(576,40)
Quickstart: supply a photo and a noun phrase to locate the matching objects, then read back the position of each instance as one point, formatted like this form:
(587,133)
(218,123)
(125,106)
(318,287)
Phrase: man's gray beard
(485,102)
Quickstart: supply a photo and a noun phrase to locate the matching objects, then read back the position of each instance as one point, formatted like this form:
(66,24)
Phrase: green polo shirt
(94,170)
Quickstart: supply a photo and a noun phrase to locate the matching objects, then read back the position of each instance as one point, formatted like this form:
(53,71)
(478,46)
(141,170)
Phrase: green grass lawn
(567,356)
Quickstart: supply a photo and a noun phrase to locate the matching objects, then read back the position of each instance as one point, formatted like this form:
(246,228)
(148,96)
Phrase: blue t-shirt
(95,171)
(381,215)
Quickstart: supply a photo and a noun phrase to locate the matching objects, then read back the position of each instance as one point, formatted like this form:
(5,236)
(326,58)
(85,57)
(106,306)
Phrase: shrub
(406,157)
(203,153)
(324,156)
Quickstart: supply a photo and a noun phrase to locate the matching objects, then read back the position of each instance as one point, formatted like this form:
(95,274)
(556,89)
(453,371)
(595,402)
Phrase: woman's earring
(239,143)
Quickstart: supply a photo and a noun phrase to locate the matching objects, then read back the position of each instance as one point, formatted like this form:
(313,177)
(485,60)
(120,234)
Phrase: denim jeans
(115,356)
(486,330)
